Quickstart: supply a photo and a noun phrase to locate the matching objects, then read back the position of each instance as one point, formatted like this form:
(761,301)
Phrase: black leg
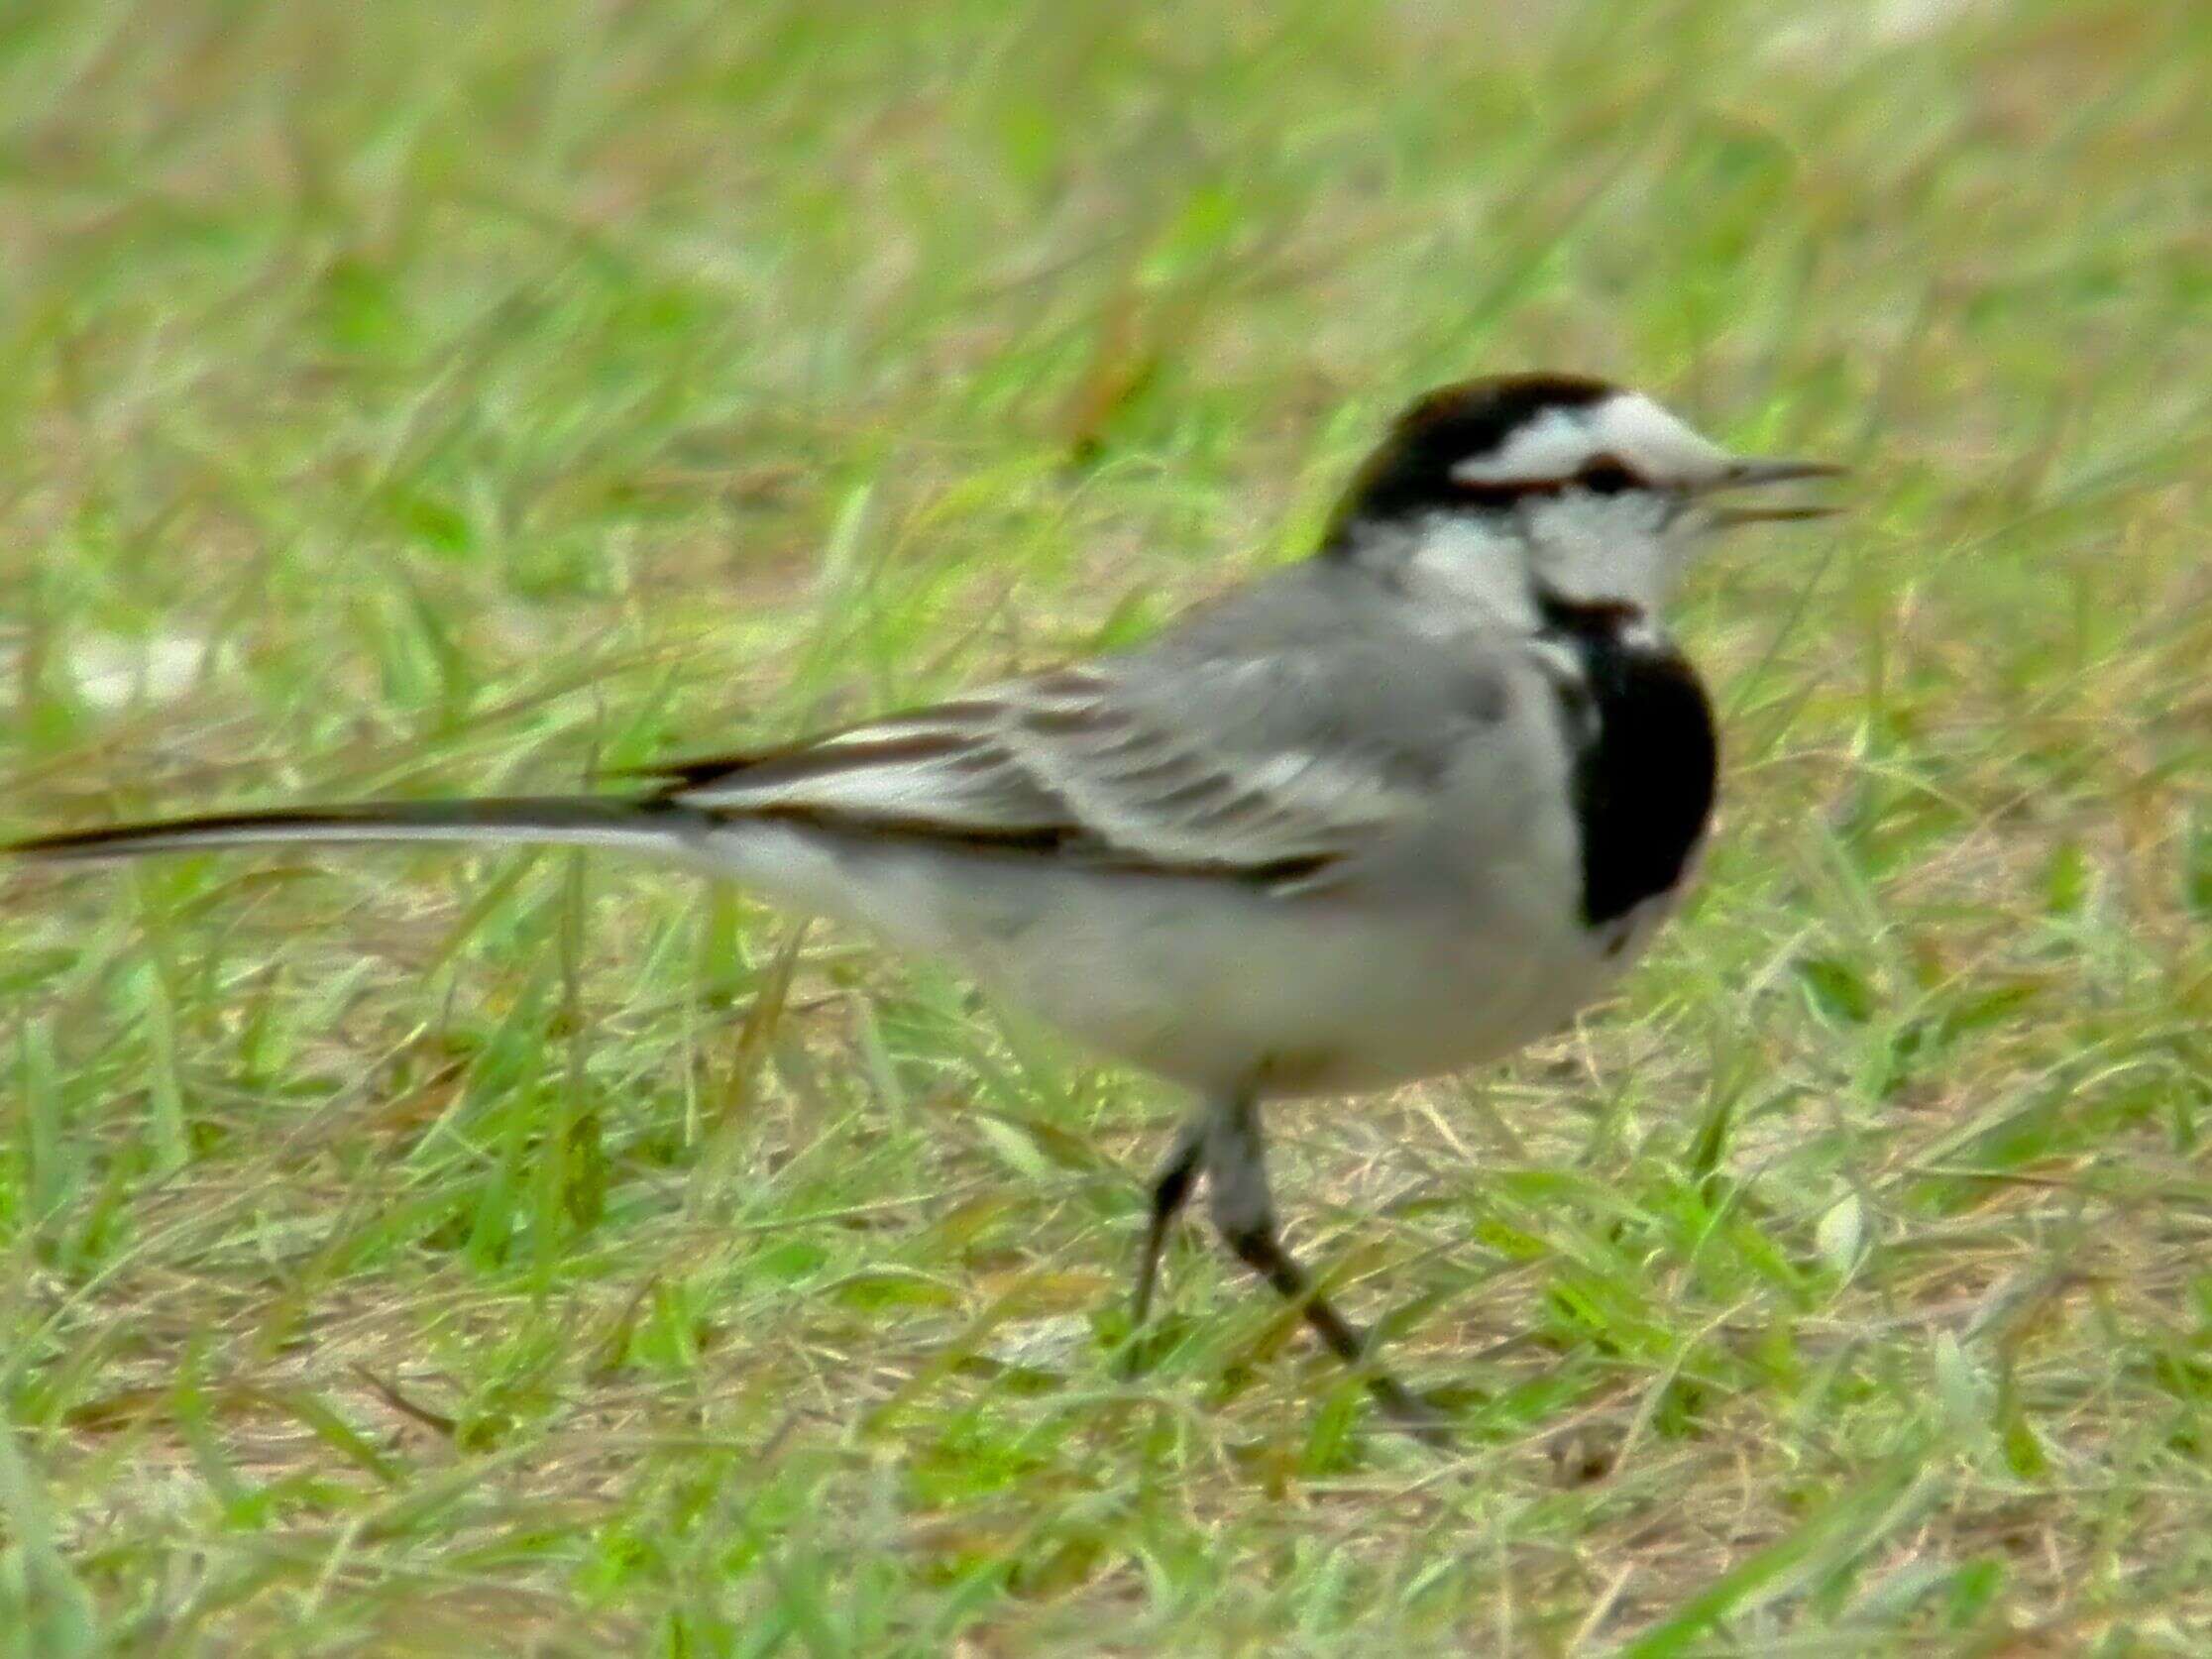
(1170,1187)
(1244,1211)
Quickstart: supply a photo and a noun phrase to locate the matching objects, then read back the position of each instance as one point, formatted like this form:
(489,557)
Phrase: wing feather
(1274,768)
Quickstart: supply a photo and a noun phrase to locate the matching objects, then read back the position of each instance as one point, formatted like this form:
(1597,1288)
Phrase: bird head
(1515,487)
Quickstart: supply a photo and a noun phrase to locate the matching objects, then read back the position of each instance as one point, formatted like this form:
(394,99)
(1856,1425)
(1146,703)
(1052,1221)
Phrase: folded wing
(1274,769)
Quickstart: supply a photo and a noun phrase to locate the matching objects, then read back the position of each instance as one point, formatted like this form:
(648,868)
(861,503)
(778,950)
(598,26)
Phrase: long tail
(537,819)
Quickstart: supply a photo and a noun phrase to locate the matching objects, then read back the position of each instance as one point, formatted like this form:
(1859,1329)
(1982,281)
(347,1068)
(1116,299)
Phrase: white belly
(1209,984)
(1317,1001)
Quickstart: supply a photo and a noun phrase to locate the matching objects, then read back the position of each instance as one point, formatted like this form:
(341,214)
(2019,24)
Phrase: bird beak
(1753,473)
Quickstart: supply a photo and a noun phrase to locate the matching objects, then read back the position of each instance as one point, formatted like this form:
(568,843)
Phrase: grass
(545,1254)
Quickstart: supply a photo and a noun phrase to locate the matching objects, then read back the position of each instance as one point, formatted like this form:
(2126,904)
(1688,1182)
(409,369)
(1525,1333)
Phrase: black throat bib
(1646,755)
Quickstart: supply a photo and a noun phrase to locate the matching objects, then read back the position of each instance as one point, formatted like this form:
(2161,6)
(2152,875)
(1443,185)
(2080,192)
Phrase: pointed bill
(1754,472)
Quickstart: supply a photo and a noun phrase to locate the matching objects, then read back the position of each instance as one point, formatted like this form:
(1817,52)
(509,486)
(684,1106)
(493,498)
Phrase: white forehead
(1627,426)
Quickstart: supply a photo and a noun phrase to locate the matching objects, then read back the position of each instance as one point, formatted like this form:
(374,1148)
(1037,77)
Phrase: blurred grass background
(411,1254)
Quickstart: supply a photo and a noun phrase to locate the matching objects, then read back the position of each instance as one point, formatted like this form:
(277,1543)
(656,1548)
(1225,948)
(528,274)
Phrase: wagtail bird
(1387,811)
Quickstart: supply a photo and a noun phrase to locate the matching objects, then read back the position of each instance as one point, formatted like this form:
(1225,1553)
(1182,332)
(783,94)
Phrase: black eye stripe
(1409,473)
(1601,475)
(1607,475)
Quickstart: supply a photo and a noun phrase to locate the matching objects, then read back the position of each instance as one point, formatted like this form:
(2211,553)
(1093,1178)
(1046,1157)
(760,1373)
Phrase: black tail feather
(549,820)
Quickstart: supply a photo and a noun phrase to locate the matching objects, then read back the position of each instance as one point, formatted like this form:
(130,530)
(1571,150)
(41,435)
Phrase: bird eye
(1604,475)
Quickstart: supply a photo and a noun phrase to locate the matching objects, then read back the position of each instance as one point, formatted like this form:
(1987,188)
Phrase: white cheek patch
(1601,547)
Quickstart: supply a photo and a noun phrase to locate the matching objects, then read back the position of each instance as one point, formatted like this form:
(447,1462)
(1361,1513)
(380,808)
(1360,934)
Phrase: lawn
(422,1253)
